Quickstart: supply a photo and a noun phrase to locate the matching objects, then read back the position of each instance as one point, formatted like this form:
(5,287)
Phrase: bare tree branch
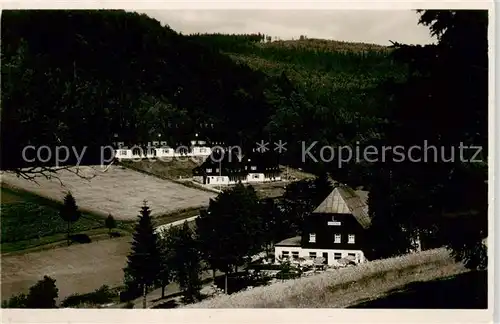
(32,173)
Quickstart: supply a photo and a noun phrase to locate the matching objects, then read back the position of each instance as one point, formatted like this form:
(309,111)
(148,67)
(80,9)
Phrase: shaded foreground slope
(463,291)
(344,287)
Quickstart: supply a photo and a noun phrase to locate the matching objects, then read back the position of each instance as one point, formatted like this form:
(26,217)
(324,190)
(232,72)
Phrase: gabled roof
(345,200)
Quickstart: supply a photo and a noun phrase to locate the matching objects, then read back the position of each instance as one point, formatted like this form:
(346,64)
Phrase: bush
(43,294)
(98,297)
(129,304)
(259,267)
(18,301)
(287,275)
(80,238)
(129,294)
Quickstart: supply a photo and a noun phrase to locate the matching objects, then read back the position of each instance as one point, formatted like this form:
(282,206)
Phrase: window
(337,256)
(253,168)
(350,239)
(209,170)
(351,255)
(217,170)
(336,238)
(123,152)
(203,150)
(285,254)
(295,255)
(312,255)
(220,179)
(312,238)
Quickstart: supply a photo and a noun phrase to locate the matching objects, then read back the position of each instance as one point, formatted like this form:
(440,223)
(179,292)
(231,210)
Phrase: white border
(240,4)
(282,315)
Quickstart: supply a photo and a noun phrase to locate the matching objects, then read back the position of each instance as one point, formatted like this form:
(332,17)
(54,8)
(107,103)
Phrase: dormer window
(350,239)
(336,238)
(312,238)
(253,168)
(209,170)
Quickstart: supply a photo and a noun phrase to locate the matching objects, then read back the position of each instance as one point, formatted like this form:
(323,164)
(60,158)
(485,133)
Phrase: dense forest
(79,77)
(91,74)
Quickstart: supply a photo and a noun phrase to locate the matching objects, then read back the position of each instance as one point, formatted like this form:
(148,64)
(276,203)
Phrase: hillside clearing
(343,287)
(118,191)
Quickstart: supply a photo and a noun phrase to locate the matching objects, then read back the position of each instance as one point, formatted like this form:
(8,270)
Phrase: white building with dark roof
(333,231)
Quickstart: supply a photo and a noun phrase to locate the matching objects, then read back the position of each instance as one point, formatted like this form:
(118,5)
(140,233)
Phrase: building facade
(334,230)
(230,169)
(160,149)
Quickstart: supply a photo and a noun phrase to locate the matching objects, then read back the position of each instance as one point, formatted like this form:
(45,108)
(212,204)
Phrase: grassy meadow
(29,221)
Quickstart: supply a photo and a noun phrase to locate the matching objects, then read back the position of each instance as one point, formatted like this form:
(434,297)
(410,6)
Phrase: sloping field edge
(188,184)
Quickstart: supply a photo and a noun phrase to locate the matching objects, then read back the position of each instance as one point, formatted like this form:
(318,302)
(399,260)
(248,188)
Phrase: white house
(334,230)
(161,150)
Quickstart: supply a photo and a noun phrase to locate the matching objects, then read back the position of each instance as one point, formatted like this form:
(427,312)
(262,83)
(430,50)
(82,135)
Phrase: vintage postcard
(258,162)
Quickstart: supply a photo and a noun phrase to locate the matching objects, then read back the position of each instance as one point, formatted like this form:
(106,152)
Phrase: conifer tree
(110,223)
(144,261)
(69,212)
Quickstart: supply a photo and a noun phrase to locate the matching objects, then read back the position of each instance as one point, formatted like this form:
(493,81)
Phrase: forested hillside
(90,74)
(326,91)
(81,76)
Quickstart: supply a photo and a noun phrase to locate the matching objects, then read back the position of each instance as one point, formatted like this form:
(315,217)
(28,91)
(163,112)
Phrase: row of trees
(443,101)
(70,213)
(235,226)
(158,259)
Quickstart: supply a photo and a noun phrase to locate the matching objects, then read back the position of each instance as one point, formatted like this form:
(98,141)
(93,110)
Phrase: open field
(344,287)
(117,191)
(29,221)
(77,268)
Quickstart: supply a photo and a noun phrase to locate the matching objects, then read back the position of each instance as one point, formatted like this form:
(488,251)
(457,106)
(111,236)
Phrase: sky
(367,26)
